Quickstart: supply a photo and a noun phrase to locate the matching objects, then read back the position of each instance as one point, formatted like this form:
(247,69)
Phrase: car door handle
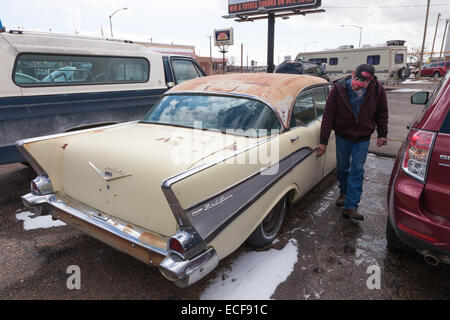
(295,139)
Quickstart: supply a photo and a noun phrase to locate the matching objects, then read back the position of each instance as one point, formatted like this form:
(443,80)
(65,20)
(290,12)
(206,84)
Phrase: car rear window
(233,115)
(33,70)
(446,125)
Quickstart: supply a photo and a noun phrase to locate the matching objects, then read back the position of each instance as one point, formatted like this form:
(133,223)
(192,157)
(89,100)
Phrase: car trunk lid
(120,172)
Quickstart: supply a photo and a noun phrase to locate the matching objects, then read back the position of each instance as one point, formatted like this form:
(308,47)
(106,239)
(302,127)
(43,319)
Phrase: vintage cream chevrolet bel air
(215,163)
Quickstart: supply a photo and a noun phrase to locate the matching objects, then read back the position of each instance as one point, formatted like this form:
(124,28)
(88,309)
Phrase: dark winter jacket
(339,116)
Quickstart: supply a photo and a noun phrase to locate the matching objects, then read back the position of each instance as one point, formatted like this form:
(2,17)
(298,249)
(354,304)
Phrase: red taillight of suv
(418,153)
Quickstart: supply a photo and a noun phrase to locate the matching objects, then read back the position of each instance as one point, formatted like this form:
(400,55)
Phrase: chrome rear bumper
(148,247)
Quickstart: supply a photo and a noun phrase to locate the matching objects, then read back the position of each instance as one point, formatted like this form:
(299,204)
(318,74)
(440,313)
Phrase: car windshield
(226,114)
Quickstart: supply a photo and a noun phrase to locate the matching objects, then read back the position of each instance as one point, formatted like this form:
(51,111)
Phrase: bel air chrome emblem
(110,174)
(210,205)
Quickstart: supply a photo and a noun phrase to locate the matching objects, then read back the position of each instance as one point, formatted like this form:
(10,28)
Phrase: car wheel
(268,229)
(393,242)
(436,75)
(402,74)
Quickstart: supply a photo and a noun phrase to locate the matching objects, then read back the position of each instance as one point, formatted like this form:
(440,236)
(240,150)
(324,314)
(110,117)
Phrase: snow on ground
(405,90)
(411,81)
(254,275)
(38,222)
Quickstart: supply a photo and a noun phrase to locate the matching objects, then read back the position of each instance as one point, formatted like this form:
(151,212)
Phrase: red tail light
(417,153)
(176,246)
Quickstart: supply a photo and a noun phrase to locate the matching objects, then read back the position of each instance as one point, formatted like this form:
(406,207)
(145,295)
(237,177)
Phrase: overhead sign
(223,37)
(262,6)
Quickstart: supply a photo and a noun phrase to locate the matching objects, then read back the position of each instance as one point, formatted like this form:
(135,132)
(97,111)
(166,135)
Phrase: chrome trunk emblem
(109,174)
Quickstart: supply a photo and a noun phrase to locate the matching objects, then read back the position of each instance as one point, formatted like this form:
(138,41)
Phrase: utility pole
(443,38)
(242,58)
(210,55)
(435,33)
(424,38)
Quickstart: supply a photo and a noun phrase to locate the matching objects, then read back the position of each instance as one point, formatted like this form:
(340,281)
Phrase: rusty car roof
(278,89)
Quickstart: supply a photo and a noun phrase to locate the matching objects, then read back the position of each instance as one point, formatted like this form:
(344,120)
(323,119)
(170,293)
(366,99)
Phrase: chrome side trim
(178,211)
(240,196)
(212,215)
(184,273)
(33,163)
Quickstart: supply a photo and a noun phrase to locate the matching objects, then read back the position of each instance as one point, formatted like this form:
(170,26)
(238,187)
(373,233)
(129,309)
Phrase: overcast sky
(192,21)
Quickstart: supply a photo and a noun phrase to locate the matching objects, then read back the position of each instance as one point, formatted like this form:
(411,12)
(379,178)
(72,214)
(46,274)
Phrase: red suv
(435,69)
(419,188)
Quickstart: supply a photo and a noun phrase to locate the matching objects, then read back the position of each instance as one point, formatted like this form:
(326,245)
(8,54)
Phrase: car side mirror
(170,84)
(420,97)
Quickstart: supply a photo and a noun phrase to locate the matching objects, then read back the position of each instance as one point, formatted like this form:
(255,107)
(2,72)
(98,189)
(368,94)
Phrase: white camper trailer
(389,61)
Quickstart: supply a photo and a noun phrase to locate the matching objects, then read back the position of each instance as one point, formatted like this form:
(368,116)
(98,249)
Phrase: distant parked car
(435,69)
(419,189)
(299,67)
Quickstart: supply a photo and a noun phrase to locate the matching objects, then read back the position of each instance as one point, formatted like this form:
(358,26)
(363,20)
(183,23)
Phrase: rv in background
(58,83)
(389,61)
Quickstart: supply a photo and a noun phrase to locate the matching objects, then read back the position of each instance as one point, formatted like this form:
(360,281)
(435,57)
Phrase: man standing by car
(355,106)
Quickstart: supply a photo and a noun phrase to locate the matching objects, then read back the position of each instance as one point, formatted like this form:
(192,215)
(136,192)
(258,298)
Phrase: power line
(386,7)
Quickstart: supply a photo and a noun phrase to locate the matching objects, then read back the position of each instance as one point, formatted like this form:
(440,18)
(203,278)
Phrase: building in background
(215,68)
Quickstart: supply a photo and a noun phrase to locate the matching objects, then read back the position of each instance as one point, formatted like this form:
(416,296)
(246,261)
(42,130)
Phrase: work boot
(352,214)
(341,200)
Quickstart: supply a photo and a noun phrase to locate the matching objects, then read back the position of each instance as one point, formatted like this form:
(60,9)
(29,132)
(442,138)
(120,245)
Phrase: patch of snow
(254,275)
(410,81)
(40,222)
(405,90)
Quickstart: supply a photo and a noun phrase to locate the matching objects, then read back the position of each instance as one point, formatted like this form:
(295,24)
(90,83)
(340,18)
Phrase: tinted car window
(51,70)
(216,113)
(294,68)
(446,125)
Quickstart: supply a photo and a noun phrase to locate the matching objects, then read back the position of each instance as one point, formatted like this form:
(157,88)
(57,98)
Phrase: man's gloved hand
(321,148)
(381,142)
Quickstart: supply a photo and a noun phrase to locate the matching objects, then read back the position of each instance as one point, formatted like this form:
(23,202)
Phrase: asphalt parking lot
(319,254)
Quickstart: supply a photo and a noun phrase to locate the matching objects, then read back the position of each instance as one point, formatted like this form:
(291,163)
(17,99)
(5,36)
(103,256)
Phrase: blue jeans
(350,173)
